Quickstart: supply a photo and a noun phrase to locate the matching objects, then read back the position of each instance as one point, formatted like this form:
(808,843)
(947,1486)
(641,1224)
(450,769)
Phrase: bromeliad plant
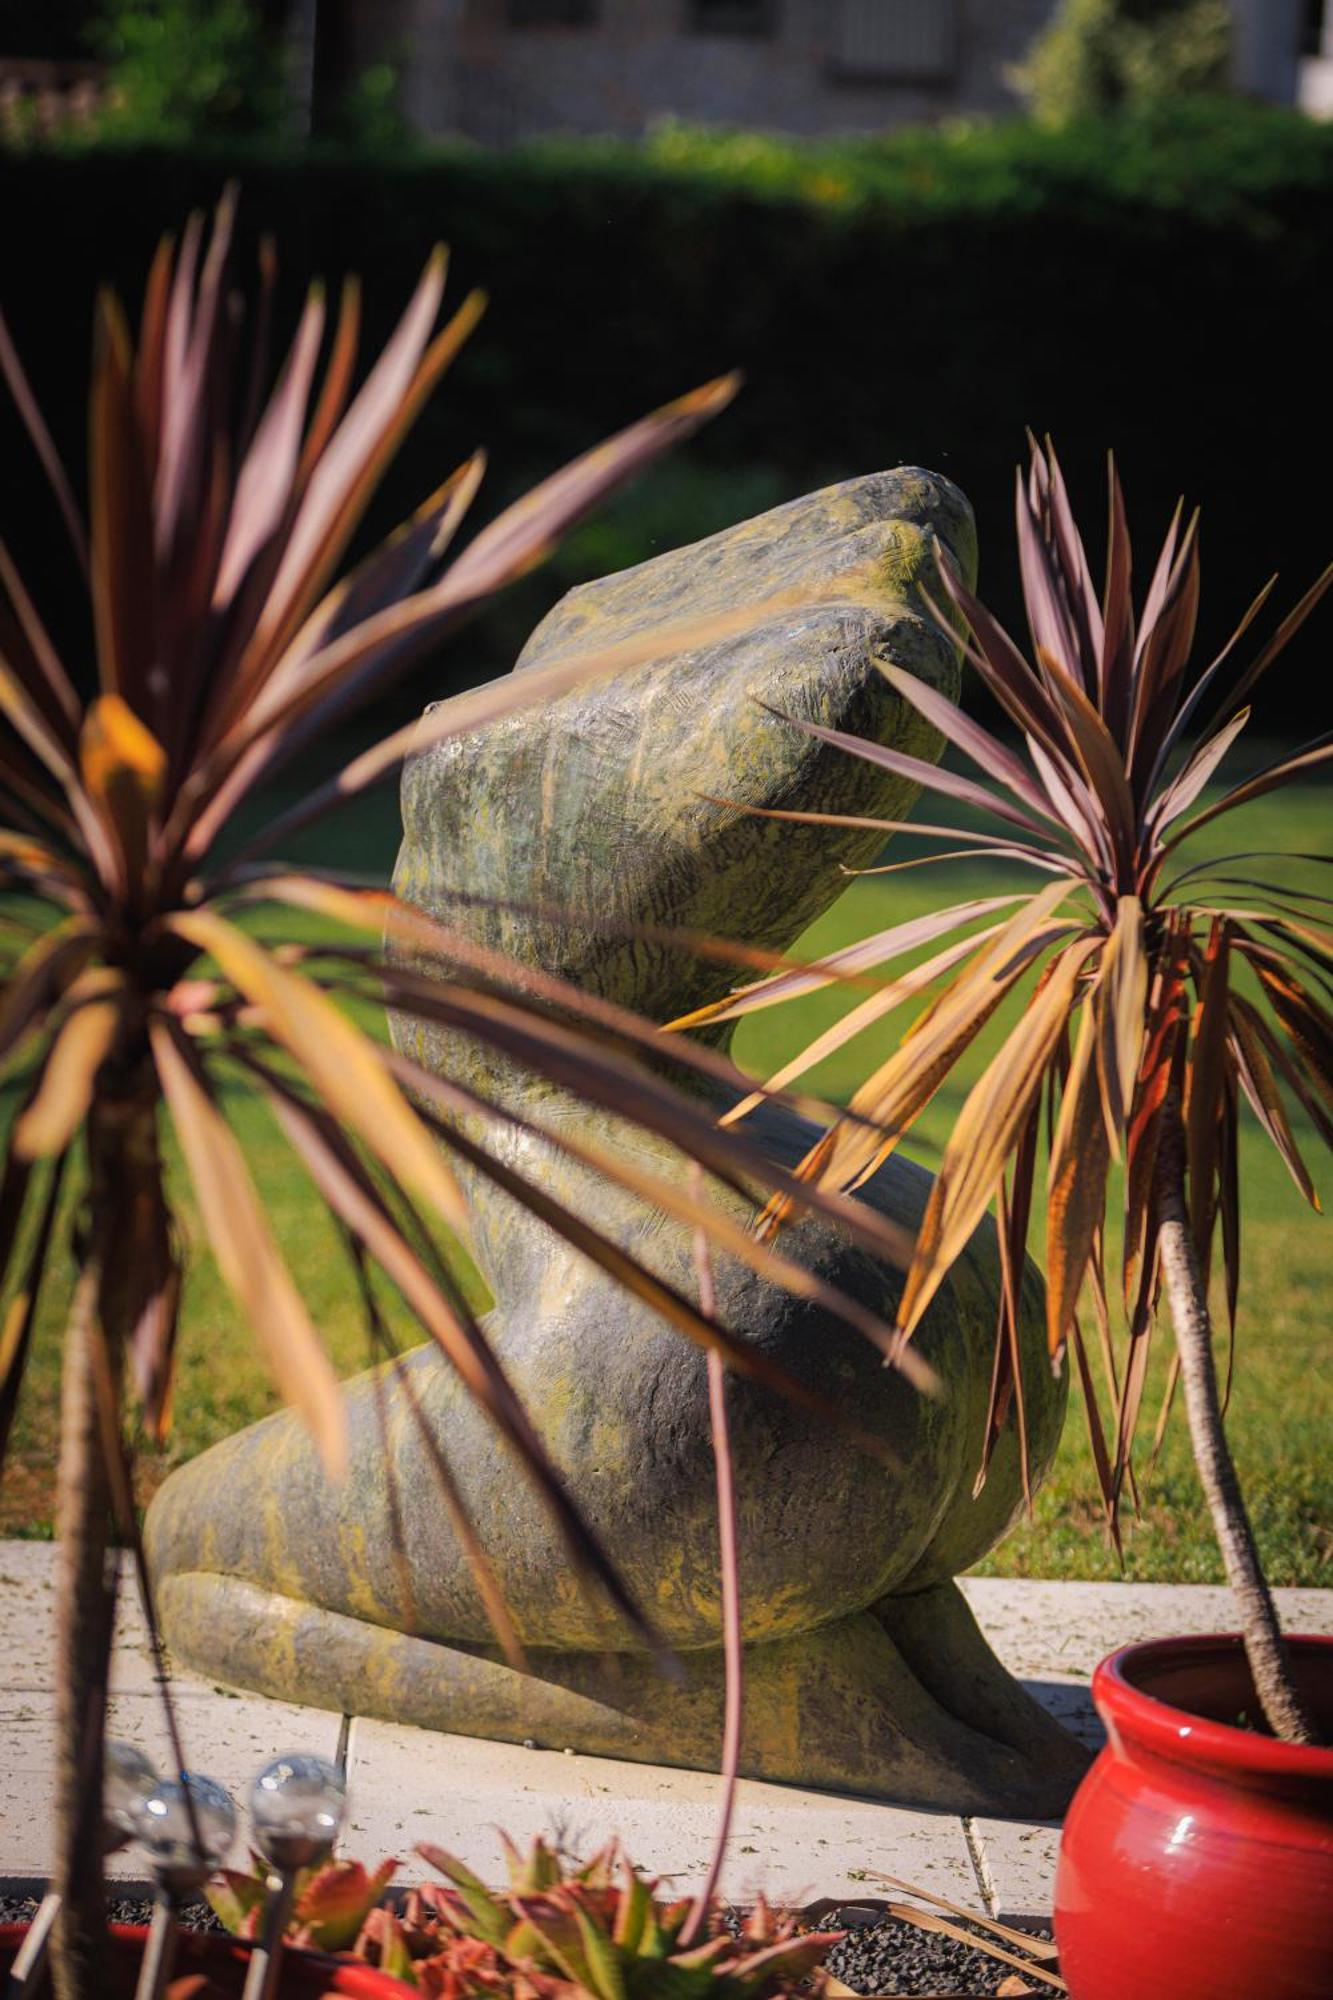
(220,646)
(593,1931)
(1153,1005)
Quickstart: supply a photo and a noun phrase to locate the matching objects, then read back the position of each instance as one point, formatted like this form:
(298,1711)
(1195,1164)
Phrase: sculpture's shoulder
(625,797)
(862,541)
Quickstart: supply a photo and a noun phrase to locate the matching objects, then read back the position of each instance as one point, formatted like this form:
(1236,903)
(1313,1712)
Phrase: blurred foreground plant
(1154,1002)
(133,998)
(595,1931)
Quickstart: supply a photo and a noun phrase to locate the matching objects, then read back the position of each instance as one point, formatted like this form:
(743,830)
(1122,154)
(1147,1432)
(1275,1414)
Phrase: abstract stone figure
(865,1670)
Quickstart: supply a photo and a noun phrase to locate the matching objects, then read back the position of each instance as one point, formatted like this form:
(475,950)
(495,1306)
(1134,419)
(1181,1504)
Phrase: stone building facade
(503,70)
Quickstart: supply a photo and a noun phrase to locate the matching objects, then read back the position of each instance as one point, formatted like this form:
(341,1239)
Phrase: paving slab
(1015,1863)
(1058,1631)
(410,1785)
(28,1624)
(229,1736)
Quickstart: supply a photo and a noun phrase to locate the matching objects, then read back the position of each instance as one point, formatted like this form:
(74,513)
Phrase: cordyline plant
(593,1931)
(1152,1005)
(221,646)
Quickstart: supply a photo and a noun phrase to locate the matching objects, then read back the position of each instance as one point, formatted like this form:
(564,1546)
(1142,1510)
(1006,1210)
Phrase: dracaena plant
(1155,999)
(220,504)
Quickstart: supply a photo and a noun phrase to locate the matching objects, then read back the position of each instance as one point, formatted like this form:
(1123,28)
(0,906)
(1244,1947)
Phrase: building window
(732,17)
(552,13)
(913,41)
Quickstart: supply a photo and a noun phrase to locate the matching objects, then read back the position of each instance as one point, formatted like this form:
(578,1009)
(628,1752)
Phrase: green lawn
(1282,1413)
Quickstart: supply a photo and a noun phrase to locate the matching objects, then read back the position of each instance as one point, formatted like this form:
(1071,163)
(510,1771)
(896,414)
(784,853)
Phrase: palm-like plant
(1145,1020)
(132,994)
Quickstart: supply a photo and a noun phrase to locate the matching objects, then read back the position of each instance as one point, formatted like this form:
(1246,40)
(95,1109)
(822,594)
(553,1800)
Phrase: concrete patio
(407,1785)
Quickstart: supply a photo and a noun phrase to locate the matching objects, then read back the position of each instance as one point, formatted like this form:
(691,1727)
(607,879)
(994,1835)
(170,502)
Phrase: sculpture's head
(602,805)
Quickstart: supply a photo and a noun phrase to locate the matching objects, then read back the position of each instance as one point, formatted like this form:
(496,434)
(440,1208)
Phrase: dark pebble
(894,1957)
(120,1909)
(890,1956)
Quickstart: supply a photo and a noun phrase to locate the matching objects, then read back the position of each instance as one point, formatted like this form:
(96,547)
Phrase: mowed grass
(1281,1417)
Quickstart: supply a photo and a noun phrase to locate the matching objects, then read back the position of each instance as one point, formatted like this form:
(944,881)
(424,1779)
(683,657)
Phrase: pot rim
(1182,1736)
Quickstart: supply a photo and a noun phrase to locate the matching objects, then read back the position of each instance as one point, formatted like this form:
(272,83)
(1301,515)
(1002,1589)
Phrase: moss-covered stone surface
(576,821)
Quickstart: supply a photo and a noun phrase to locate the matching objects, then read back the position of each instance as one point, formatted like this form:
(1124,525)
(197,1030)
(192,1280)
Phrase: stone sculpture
(865,1670)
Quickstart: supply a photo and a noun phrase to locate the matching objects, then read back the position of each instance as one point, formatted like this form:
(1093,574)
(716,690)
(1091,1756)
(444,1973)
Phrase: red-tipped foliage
(1150,998)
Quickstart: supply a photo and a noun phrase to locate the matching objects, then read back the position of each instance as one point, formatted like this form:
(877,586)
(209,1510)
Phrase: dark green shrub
(368,117)
(183,70)
(1155,281)
(1106,55)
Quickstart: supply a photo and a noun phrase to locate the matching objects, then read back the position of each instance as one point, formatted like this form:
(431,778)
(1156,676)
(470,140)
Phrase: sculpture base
(905,1702)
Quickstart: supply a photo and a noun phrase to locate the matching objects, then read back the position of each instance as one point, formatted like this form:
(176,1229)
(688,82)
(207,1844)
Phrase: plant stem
(732,1647)
(85,1612)
(1265,1648)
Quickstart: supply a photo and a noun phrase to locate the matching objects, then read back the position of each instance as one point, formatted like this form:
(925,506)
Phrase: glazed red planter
(1197,1857)
(306,1975)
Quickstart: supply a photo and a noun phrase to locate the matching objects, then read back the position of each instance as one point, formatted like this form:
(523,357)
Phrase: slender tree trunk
(121,1141)
(1270,1662)
(85,1611)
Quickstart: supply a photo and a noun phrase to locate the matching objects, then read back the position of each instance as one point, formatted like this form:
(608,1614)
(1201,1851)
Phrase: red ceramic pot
(219,1964)
(1197,1857)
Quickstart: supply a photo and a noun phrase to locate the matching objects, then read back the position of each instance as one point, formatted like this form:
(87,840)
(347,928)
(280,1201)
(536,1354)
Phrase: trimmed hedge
(1160,287)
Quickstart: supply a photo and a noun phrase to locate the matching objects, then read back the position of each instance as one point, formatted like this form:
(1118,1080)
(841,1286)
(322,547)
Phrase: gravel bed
(895,1957)
(883,1954)
(121,1910)
(886,1957)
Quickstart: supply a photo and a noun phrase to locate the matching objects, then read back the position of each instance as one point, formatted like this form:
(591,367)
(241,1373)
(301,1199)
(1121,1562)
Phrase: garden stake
(186,1827)
(296,1807)
(25,1974)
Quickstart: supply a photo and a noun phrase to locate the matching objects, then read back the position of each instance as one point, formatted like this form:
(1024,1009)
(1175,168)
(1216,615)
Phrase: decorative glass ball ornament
(167,1830)
(129,1780)
(297,1804)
